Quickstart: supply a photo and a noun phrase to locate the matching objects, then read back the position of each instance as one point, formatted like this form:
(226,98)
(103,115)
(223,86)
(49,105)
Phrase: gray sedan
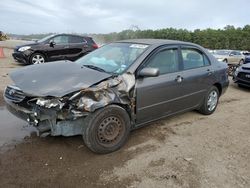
(117,88)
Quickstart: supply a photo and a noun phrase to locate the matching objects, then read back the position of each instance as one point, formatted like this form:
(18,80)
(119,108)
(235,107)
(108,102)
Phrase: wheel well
(124,106)
(39,53)
(219,87)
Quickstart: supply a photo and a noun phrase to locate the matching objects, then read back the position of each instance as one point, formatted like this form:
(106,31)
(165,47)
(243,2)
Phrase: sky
(105,16)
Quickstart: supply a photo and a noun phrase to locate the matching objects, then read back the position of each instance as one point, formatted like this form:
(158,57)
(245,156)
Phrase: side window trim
(61,36)
(156,51)
(204,55)
(84,41)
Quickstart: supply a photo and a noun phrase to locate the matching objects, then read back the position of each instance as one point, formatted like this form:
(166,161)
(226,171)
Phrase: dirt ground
(188,150)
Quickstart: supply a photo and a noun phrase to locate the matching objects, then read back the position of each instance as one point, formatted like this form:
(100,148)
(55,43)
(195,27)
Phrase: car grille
(14,94)
(242,76)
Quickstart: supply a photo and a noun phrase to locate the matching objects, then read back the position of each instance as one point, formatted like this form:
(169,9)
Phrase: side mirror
(52,43)
(149,72)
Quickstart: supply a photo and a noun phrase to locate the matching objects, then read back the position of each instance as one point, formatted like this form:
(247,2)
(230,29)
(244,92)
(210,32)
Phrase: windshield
(45,38)
(222,52)
(114,58)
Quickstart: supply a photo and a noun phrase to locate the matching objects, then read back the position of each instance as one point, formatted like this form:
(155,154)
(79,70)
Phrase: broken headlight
(50,103)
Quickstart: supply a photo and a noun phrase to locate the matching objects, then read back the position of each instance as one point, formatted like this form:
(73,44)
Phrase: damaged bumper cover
(65,115)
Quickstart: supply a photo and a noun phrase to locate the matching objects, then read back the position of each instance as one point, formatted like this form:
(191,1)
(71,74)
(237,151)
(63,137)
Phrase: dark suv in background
(53,48)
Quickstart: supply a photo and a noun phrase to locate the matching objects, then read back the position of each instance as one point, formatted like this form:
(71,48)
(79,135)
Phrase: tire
(37,58)
(107,129)
(207,107)
(241,62)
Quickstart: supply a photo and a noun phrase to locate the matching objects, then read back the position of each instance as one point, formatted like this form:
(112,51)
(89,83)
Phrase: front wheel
(210,101)
(37,58)
(107,129)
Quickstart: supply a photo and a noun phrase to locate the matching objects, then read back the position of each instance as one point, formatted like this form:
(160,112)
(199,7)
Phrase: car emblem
(12,92)
(247,75)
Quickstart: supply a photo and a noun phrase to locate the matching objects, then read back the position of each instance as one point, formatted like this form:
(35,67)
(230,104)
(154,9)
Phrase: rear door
(59,50)
(77,47)
(159,96)
(197,76)
(234,57)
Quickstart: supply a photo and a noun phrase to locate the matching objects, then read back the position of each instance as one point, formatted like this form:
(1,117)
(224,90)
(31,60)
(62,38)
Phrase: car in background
(242,75)
(231,57)
(247,56)
(117,88)
(54,48)
(210,51)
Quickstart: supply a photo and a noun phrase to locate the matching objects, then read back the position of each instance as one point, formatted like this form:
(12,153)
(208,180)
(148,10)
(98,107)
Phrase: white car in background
(230,56)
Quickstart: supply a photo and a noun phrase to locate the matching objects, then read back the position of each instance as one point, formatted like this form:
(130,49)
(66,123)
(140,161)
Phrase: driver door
(160,96)
(60,49)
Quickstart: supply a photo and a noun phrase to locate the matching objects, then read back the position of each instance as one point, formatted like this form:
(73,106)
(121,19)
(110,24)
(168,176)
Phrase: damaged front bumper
(46,120)
(66,115)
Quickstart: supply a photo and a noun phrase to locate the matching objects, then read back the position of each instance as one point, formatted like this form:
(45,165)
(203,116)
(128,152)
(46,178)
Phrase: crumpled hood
(55,78)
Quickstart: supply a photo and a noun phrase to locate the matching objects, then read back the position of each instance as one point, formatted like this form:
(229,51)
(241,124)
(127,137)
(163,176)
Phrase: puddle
(12,129)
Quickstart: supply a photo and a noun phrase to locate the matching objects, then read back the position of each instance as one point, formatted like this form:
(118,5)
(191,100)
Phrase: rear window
(193,59)
(76,39)
(89,40)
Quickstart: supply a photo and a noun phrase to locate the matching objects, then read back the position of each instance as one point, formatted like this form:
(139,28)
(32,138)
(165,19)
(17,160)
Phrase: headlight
(220,59)
(22,49)
(49,103)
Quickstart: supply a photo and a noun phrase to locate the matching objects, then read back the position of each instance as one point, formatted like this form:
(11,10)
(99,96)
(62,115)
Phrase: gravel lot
(188,150)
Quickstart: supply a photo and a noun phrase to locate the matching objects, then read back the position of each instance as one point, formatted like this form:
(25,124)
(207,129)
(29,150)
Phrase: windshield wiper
(95,68)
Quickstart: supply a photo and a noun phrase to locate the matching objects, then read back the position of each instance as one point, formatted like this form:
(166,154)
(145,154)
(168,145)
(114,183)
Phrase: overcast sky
(104,16)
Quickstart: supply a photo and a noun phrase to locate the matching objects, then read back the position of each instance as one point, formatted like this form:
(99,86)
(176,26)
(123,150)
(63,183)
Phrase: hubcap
(212,100)
(110,131)
(38,59)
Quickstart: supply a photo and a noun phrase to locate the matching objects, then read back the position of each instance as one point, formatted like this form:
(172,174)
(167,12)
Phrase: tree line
(227,38)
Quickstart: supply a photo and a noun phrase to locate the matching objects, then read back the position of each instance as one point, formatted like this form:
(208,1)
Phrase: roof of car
(155,41)
(74,35)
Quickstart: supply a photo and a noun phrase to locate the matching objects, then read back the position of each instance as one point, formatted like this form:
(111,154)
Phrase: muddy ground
(188,150)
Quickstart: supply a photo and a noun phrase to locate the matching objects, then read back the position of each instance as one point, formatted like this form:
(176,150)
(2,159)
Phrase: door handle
(179,79)
(66,46)
(209,72)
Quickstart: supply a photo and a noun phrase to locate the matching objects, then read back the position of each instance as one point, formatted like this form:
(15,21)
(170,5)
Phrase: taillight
(95,45)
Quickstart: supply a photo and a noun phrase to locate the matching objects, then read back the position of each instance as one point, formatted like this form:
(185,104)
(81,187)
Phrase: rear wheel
(107,129)
(37,58)
(210,101)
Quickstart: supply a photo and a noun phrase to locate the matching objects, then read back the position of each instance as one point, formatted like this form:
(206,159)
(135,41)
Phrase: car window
(76,39)
(238,53)
(233,53)
(206,61)
(166,61)
(89,40)
(62,39)
(114,58)
(193,59)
